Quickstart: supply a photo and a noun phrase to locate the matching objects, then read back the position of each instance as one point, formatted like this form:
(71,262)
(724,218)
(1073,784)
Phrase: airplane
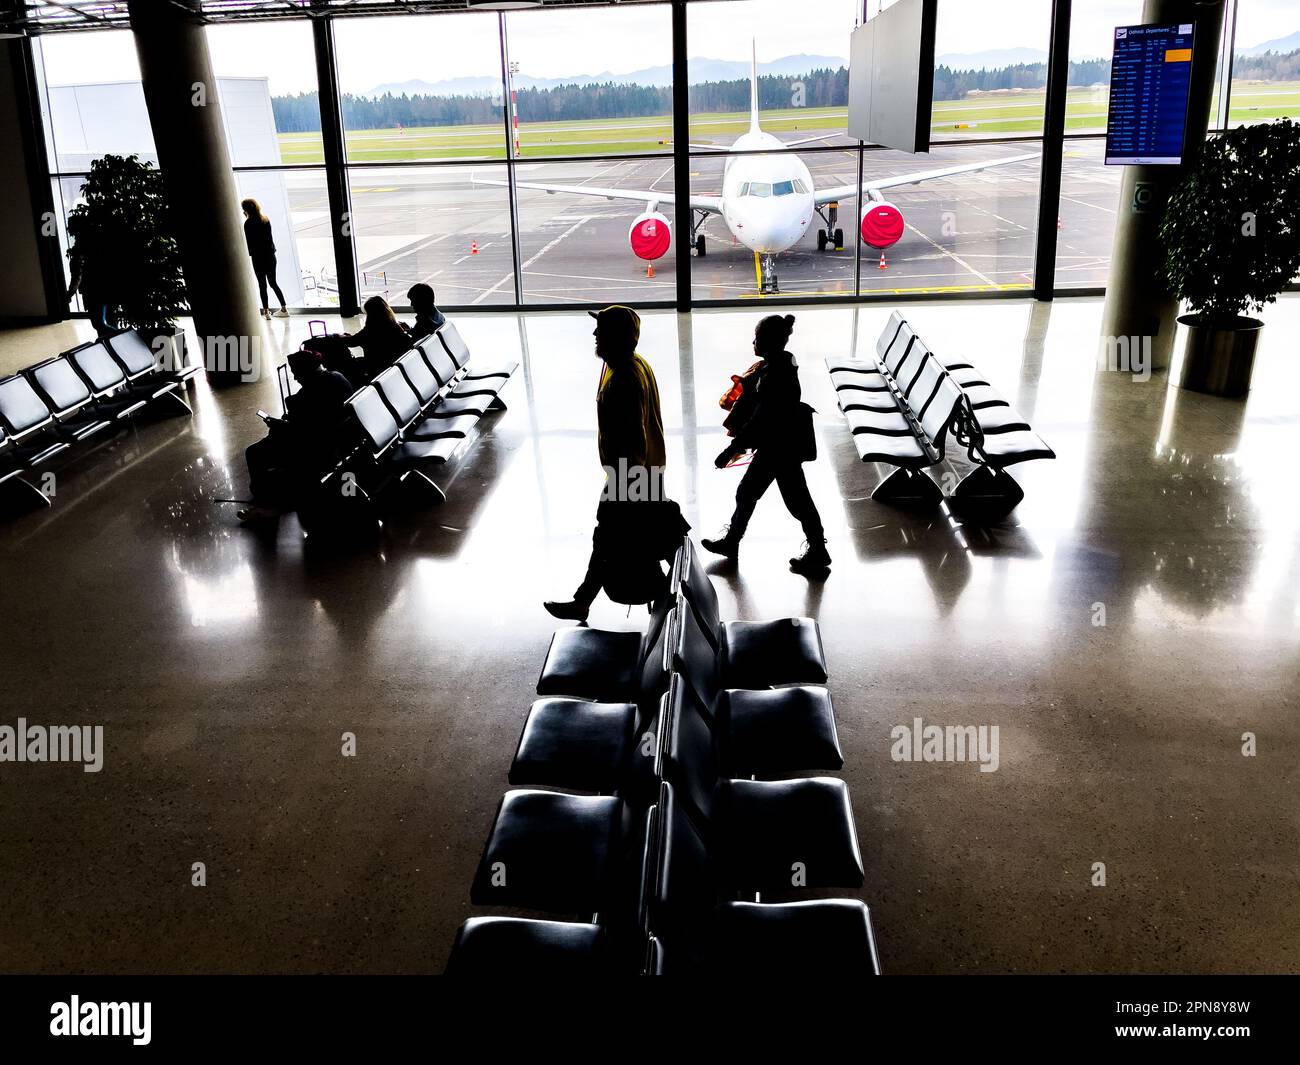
(767,201)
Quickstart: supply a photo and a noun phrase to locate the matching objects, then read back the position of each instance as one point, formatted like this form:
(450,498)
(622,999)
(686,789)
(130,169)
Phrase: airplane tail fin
(753,87)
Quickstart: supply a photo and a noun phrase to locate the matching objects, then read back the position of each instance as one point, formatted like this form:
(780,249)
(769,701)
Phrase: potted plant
(125,259)
(1231,236)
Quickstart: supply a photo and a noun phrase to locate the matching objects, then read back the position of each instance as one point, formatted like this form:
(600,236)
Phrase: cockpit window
(762,189)
(799,186)
(783,188)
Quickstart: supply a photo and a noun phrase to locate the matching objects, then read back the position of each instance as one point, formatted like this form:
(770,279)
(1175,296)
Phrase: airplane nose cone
(772,227)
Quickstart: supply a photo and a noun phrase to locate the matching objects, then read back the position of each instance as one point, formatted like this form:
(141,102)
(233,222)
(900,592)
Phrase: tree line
(819,88)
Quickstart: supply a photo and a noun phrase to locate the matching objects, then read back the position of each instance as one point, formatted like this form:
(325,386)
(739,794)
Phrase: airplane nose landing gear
(769,280)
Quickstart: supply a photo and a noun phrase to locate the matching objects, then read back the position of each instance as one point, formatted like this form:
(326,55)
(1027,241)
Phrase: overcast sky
(561,43)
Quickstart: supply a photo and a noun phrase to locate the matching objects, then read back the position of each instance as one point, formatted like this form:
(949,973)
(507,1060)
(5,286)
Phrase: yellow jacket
(629,423)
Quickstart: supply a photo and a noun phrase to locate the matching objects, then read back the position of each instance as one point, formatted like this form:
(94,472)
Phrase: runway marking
(590,277)
(510,276)
(468,255)
(955,258)
(410,249)
(931,289)
(1085,203)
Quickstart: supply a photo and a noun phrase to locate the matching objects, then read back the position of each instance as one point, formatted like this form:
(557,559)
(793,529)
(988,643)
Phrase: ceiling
(32,17)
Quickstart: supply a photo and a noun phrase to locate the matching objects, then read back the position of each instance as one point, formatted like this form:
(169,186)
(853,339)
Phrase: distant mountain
(701,69)
(1282,44)
(991,59)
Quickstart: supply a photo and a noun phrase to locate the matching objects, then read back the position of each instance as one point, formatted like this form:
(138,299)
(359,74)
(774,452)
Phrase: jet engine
(650,235)
(882,224)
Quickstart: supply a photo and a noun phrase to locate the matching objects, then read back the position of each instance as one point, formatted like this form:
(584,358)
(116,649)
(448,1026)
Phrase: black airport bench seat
(665,874)
(905,405)
(50,410)
(417,414)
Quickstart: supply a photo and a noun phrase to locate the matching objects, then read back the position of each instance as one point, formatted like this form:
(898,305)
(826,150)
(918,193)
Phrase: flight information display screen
(1149,78)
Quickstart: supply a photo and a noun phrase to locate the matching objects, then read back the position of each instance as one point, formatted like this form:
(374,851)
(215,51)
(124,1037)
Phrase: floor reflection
(225,662)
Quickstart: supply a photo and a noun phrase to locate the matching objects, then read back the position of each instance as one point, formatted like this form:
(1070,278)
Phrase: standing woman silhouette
(261,249)
(780,431)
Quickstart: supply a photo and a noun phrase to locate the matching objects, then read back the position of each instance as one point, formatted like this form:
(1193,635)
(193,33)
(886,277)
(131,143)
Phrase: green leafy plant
(1231,231)
(122,242)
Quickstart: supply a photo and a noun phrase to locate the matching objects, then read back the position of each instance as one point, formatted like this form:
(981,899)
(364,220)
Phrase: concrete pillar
(1137,302)
(31,278)
(185,113)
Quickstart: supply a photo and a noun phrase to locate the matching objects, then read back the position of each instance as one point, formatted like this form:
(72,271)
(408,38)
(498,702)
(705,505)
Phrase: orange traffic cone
(649,269)
(882,260)
(473,247)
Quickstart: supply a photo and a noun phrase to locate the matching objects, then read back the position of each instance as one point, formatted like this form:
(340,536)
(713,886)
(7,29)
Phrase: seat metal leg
(175,396)
(986,495)
(20,496)
(913,489)
(425,483)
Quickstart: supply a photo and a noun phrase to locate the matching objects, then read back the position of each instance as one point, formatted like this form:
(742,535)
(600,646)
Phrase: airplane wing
(810,140)
(844,192)
(708,204)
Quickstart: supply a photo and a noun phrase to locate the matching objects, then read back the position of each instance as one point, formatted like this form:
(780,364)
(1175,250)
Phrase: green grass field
(1011,113)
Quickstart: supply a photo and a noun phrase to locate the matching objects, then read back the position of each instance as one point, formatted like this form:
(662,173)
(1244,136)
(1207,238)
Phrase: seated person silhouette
(382,339)
(300,446)
(428,319)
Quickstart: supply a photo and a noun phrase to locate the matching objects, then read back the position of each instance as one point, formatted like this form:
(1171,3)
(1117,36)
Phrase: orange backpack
(739,399)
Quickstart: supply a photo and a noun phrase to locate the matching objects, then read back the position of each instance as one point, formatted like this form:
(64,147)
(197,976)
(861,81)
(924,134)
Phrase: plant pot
(1219,359)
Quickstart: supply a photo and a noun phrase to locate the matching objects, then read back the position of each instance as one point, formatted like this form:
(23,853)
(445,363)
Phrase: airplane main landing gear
(698,219)
(831,235)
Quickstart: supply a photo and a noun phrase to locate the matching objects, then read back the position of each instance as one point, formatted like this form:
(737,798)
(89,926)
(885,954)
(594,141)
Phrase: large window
(1089,188)
(421,88)
(447,226)
(1266,62)
(266,76)
(527,157)
(591,81)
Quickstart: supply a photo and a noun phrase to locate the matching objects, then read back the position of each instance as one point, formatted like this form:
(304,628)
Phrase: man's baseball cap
(620,321)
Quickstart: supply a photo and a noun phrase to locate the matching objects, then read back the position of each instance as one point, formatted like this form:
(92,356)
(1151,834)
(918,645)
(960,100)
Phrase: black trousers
(629,542)
(789,478)
(279,470)
(264,269)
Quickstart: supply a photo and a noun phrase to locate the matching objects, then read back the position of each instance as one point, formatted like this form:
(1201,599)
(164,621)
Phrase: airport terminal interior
(1037,714)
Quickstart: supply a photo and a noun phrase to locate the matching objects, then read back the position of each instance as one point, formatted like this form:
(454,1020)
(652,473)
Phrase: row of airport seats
(52,411)
(418,413)
(904,405)
(657,806)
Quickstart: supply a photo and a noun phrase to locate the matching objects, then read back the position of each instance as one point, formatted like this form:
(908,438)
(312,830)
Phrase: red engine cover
(882,224)
(650,235)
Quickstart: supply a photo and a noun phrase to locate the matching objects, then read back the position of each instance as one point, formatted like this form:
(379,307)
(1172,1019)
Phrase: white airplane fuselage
(767,200)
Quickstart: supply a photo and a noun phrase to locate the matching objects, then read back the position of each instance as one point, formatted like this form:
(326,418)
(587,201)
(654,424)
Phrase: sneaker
(723,544)
(570,611)
(814,559)
(266,314)
(283,312)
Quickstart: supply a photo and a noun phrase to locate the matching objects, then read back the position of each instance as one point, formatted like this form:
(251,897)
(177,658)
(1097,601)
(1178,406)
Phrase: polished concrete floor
(226,665)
